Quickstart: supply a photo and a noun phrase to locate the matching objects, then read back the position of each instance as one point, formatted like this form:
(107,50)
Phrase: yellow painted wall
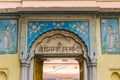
(10,64)
(107,64)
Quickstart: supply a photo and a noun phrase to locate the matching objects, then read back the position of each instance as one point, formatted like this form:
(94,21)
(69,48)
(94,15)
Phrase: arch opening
(59,45)
(61,69)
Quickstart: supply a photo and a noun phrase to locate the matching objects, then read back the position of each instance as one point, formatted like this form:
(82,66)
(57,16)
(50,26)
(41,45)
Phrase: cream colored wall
(10,64)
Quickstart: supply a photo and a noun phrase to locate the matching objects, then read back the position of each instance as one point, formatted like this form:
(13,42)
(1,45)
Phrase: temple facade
(59,40)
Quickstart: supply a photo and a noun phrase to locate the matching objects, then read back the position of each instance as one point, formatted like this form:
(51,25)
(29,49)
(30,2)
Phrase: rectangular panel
(109,34)
(8,36)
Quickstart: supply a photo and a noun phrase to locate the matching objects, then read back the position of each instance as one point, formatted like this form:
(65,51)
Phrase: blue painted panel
(109,34)
(8,36)
(36,28)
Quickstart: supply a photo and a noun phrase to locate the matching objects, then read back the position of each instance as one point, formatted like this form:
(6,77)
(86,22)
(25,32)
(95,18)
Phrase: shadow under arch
(62,32)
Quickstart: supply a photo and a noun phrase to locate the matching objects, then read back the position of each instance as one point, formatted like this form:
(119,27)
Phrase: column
(28,69)
(81,66)
(85,70)
(82,70)
(88,69)
(93,72)
(23,70)
(31,75)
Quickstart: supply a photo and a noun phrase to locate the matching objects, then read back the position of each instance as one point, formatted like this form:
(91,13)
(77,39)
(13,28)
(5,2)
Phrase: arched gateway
(58,44)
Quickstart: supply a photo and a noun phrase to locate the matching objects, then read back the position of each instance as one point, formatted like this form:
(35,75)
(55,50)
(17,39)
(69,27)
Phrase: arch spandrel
(52,40)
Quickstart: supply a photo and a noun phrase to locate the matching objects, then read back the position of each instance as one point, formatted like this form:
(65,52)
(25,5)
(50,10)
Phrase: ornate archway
(58,44)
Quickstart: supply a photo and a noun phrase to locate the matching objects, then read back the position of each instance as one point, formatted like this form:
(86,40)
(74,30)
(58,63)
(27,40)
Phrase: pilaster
(93,69)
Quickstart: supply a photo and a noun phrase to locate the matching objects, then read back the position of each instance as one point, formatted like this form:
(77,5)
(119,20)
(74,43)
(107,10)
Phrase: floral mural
(8,36)
(110,39)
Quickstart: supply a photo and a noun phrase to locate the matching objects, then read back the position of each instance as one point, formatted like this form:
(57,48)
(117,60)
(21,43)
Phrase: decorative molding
(115,68)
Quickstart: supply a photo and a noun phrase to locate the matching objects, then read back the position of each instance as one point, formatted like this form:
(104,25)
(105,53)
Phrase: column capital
(93,62)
